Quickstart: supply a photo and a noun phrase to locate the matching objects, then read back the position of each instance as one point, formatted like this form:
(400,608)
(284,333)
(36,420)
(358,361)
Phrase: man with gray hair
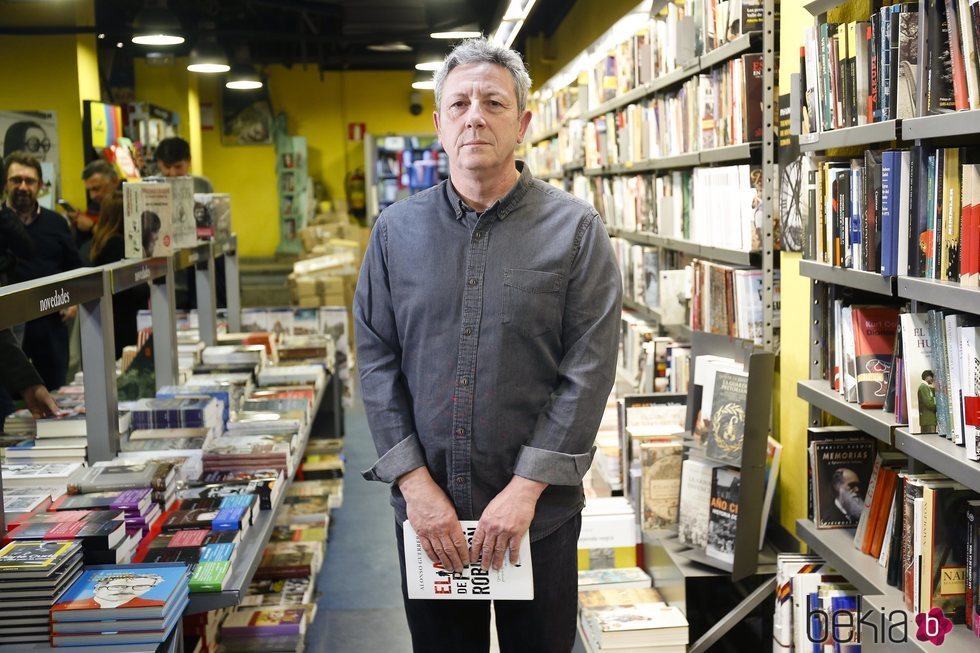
(487,321)
(101,181)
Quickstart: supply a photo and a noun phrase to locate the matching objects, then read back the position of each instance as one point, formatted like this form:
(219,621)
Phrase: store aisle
(360,605)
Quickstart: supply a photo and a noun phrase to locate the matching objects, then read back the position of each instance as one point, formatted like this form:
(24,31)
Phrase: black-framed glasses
(35,144)
(28,181)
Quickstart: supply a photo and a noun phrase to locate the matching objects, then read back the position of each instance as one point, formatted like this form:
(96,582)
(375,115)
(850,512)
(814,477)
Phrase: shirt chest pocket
(530,301)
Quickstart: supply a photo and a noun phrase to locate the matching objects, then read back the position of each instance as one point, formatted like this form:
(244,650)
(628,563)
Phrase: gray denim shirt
(487,344)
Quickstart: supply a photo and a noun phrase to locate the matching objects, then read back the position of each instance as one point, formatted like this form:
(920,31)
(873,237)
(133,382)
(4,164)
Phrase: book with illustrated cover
(841,474)
(122,592)
(695,502)
(621,578)
(636,625)
(429,580)
(257,624)
(588,598)
(945,534)
(189,520)
(39,474)
(290,560)
(661,478)
(874,338)
(920,385)
(34,559)
(281,592)
(182,215)
(116,477)
(728,404)
(147,219)
(212,215)
(723,518)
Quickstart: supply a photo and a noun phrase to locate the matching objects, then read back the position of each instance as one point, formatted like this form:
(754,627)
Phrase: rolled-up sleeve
(561,448)
(387,401)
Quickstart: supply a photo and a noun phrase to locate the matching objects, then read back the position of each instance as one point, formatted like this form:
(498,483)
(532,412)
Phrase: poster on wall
(246,117)
(34,132)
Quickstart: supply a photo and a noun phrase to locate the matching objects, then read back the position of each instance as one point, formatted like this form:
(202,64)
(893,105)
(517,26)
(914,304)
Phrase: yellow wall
(319,110)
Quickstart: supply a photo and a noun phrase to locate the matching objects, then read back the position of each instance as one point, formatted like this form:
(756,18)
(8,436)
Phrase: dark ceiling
(333,34)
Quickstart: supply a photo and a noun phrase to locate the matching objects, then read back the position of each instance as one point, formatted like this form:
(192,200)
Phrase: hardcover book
(661,477)
(184,227)
(874,339)
(430,580)
(616,627)
(728,417)
(920,387)
(841,473)
(122,592)
(695,502)
(620,579)
(34,559)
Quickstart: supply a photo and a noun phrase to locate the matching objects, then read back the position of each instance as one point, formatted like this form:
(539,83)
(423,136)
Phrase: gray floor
(360,604)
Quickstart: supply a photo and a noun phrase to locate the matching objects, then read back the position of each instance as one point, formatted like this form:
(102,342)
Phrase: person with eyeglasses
(27,136)
(45,340)
(118,590)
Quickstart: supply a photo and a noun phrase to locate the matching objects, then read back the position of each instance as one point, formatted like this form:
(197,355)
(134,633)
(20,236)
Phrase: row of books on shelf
(656,46)
(922,367)
(651,362)
(867,71)
(716,207)
(727,300)
(921,528)
(912,212)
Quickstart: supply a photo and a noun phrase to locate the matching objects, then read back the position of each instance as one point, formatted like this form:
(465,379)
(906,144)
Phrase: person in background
(101,181)
(45,340)
(18,376)
(108,246)
(485,370)
(173,157)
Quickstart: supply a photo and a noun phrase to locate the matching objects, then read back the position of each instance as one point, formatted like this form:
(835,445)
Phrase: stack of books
(33,576)
(264,483)
(231,453)
(119,475)
(102,533)
(121,607)
(266,630)
(652,627)
(234,355)
(21,501)
(292,375)
(53,477)
(58,440)
(177,412)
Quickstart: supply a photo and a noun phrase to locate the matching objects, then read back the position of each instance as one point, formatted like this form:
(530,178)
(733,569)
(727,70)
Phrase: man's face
(175,169)
(124,589)
(36,143)
(100,187)
(478,121)
(851,485)
(929,379)
(23,185)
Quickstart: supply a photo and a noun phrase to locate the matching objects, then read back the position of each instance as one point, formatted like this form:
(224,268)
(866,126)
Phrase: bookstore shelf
(128,274)
(940,293)
(733,48)
(870,281)
(185,258)
(730,153)
(863,571)
(575,166)
(642,310)
(941,455)
(250,555)
(878,132)
(959,123)
(873,421)
(740,45)
(720,254)
(545,136)
(817,7)
(550,174)
(592,172)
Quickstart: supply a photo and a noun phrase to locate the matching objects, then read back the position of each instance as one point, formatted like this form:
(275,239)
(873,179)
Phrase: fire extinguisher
(356,194)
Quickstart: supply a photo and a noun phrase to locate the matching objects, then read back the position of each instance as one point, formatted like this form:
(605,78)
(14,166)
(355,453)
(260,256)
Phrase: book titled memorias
(429,580)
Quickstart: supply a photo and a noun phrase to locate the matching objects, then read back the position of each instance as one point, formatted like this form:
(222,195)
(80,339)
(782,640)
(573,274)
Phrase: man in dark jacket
(17,375)
(45,339)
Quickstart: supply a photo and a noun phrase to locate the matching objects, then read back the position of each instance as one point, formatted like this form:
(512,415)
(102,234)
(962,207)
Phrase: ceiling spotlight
(243,78)
(429,66)
(423,83)
(119,44)
(456,35)
(392,46)
(156,26)
(208,57)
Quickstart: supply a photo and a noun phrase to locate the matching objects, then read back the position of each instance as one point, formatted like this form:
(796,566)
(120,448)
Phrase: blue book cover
(846,638)
(238,501)
(816,634)
(229,519)
(889,214)
(217,552)
(858,259)
(122,592)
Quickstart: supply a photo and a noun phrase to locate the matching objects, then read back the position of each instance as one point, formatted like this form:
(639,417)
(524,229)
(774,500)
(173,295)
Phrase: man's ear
(525,121)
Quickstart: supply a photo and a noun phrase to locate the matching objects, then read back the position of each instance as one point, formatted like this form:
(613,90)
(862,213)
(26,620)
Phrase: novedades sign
(60,298)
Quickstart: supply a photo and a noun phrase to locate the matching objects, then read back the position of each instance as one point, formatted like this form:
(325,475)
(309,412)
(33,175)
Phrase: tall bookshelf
(924,451)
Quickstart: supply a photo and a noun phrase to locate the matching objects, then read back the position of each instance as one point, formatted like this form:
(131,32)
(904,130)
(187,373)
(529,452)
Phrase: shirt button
(468,331)
(460,480)
(472,281)
(464,381)
(478,235)
(460,432)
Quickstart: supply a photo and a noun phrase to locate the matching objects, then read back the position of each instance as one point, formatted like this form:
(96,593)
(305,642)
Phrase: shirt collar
(504,205)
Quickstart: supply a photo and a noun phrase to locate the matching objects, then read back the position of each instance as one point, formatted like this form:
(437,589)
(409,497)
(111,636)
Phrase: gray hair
(481,50)
(99,167)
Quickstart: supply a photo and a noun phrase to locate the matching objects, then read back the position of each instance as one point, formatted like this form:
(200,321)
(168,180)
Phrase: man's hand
(83,222)
(504,523)
(433,516)
(68,313)
(40,402)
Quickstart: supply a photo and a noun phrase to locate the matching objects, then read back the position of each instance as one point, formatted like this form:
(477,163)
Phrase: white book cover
(182,216)
(789,565)
(849,371)
(429,580)
(886,550)
(953,362)
(695,502)
(917,349)
(970,376)
(147,213)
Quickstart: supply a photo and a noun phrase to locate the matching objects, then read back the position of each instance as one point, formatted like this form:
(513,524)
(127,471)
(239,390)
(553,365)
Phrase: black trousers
(46,344)
(544,625)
